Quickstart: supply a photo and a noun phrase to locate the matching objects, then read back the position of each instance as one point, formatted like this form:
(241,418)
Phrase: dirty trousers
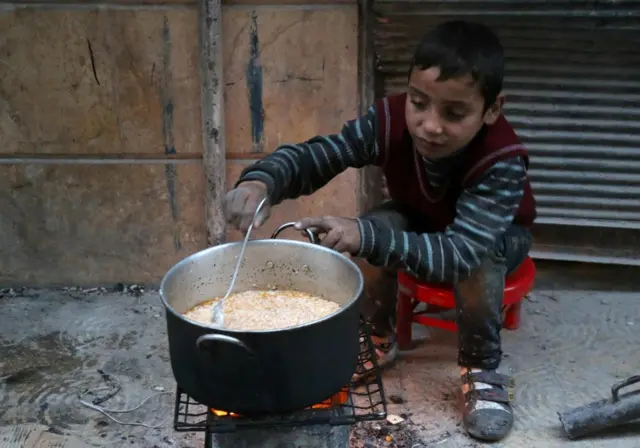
(478,298)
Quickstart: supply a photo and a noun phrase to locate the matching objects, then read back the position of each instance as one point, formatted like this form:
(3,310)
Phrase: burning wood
(336,400)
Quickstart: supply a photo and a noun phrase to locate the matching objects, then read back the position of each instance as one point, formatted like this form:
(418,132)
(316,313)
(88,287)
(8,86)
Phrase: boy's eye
(455,115)
(418,104)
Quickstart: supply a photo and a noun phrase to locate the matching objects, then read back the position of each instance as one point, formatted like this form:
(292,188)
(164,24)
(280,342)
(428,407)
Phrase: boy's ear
(494,111)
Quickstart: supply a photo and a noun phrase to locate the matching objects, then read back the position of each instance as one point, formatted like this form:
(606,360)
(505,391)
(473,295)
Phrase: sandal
(488,415)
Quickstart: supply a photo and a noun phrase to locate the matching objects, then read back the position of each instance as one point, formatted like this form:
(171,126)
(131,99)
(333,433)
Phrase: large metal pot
(254,372)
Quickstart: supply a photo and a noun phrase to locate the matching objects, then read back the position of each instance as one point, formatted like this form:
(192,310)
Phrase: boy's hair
(461,48)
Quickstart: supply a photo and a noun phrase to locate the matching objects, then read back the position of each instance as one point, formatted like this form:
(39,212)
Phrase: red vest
(406,177)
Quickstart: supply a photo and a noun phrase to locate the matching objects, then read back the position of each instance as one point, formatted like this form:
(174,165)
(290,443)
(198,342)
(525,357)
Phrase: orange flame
(336,400)
(218,413)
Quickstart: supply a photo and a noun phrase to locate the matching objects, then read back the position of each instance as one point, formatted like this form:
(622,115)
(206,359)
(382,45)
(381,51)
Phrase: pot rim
(208,250)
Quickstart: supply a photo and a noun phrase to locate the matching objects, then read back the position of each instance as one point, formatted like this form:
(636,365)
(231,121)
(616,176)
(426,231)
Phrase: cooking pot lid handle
(313,238)
(214,337)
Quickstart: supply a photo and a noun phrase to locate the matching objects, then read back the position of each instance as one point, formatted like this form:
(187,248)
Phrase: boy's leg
(380,287)
(488,416)
(379,304)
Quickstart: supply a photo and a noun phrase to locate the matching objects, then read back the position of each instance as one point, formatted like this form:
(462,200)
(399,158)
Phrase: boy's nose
(431,123)
(432,126)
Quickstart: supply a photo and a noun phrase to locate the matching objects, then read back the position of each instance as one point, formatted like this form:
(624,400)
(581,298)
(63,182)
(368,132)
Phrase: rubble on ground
(379,434)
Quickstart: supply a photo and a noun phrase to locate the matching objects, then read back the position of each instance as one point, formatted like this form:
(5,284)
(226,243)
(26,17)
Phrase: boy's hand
(340,234)
(241,203)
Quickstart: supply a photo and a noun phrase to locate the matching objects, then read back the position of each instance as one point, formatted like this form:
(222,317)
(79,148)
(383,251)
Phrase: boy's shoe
(488,416)
(386,351)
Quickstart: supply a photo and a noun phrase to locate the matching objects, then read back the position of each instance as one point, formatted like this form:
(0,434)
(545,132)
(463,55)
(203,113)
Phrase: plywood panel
(289,75)
(78,224)
(99,82)
(337,198)
(194,2)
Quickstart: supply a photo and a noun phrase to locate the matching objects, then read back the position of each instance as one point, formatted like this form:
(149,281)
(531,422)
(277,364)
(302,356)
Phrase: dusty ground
(577,340)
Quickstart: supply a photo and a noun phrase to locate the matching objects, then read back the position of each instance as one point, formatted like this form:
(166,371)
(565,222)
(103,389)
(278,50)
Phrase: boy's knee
(512,248)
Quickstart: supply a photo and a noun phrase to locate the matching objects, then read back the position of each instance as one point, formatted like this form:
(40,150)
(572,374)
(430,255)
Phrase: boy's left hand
(340,234)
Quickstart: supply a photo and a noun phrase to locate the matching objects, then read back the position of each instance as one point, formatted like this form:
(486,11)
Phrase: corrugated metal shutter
(573,95)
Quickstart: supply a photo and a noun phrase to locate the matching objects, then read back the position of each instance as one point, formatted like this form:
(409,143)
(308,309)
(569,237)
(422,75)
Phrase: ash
(383,434)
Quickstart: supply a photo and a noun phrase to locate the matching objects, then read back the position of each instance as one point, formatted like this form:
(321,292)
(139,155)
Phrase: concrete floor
(576,341)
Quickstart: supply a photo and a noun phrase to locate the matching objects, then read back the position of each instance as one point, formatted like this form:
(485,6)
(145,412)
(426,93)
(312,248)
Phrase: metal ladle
(217,315)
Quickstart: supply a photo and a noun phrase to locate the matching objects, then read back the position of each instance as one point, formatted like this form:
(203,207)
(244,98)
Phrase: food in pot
(261,310)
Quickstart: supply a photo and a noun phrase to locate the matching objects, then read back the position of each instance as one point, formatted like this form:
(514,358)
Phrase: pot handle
(615,390)
(313,238)
(214,337)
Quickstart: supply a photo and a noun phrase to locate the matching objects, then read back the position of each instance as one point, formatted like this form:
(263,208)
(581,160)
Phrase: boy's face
(444,116)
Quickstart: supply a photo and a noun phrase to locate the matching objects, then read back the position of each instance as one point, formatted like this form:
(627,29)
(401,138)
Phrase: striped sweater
(483,211)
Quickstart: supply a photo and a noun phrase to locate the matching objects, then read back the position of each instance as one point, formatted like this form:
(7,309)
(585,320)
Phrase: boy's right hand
(241,203)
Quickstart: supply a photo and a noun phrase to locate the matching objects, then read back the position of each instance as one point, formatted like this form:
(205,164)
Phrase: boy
(460,208)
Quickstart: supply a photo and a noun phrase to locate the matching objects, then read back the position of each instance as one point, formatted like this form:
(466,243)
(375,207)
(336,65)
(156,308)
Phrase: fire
(336,400)
(218,413)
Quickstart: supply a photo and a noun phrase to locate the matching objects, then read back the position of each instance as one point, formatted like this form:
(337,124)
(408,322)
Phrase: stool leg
(404,320)
(512,318)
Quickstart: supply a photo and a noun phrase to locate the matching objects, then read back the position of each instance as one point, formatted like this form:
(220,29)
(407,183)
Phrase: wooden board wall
(306,70)
(100,85)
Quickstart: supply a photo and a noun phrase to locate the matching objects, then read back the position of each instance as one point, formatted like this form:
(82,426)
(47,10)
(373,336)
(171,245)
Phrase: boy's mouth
(428,145)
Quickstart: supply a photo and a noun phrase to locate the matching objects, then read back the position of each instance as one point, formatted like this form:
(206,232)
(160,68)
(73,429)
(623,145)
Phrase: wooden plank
(97,224)
(244,155)
(98,159)
(370,177)
(308,64)
(290,2)
(99,83)
(213,157)
(170,3)
(289,75)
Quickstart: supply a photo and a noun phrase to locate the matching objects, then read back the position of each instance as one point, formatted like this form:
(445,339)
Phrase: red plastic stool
(439,297)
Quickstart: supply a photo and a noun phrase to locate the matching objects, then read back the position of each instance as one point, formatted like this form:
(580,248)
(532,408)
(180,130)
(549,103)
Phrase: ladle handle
(313,238)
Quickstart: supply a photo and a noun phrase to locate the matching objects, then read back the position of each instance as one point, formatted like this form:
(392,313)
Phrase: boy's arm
(295,170)
(483,213)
